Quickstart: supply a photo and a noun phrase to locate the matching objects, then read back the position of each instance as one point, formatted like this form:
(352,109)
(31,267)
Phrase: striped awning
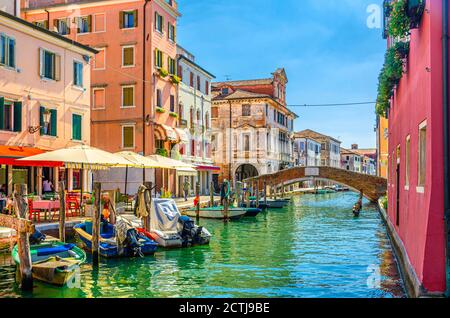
(170,132)
(182,135)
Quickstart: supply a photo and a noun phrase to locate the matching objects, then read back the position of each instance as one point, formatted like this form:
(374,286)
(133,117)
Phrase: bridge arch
(373,187)
(245,171)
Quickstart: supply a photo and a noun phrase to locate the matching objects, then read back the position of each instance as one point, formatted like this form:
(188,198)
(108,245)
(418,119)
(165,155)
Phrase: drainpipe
(144,79)
(445,99)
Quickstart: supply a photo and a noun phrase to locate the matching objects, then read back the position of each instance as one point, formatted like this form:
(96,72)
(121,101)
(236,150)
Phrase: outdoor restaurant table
(46,205)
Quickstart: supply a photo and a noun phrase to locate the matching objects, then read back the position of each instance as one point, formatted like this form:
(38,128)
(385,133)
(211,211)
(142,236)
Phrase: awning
(186,172)
(10,154)
(207,168)
(182,135)
(170,132)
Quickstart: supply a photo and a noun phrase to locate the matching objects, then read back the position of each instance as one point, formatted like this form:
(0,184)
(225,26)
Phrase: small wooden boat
(55,263)
(276,204)
(250,212)
(108,244)
(216,213)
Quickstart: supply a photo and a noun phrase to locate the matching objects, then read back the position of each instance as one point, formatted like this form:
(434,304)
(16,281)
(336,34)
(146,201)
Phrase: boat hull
(216,213)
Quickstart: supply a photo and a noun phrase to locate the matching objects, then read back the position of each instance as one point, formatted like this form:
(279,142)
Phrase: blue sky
(329,53)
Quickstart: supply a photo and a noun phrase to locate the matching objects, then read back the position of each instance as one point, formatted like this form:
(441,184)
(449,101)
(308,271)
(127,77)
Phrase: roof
(182,57)
(264,81)
(308,133)
(298,136)
(348,151)
(241,94)
(370,151)
(48,32)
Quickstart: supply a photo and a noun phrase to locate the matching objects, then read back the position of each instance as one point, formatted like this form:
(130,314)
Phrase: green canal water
(312,248)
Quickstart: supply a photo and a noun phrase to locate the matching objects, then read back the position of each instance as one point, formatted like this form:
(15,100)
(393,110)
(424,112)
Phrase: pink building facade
(416,159)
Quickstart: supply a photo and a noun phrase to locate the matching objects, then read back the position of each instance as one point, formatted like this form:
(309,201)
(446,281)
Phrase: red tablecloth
(45,205)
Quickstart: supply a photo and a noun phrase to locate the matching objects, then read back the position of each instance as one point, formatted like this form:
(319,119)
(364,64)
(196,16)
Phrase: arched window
(198,116)
(191,117)
(207,120)
(180,111)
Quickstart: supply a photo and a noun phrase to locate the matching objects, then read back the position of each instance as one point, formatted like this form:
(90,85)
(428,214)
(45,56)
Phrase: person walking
(186,187)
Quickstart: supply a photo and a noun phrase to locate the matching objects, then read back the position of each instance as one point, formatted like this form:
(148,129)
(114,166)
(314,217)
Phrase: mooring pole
(26,275)
(96,224)
(148,193)
(211,194)
(62,212)
(282,190)
(265,193)
(225,209)
(257,194)
(197,195)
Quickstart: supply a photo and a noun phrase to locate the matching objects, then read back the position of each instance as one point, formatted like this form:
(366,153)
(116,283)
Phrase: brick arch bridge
(373,187)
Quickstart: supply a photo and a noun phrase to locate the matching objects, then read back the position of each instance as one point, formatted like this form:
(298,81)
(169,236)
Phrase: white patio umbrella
(84,157)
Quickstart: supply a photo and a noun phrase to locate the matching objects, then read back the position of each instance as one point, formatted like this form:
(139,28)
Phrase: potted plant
(163,72)
(160,110)
(173,114)
(175,79)
(162,152)
(399,21)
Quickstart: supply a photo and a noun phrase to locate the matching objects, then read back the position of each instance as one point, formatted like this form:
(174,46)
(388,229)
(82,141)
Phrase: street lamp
(35,129)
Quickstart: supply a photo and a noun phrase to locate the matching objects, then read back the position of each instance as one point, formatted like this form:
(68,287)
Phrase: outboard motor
(37,237)
(132,242)
(190,233)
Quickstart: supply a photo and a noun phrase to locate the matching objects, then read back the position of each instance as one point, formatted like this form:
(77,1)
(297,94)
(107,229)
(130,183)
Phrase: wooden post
(148,198)
(21,206)
(225,210)
(265,193)
(282,190)
(96,224)
(197,195)
(275,192)
(211,194)
(247,198)
(62,212)
(257,194)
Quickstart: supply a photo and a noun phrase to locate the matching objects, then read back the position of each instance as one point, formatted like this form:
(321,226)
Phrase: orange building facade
(133,86)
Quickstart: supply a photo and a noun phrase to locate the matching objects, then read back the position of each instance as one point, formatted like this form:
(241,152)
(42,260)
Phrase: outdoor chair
(34,213)
(72,204)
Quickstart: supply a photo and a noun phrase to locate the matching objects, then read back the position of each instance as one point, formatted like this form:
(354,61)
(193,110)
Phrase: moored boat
(133,244)
(55,263)
(217,212)
(251,211)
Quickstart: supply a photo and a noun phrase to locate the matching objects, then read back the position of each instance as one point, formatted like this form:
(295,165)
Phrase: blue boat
(136,244)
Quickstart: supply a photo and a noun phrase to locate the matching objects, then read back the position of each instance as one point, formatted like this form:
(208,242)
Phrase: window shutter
(156,20)
(76,127)
(41,119)
(46,24)
(135,18)
(2,106)
(18,116)
(54,123)
(77,21)
(55,25)
(68,26)
(41,62)
(90,23)
(57,67)
(12,53)
(121,19)
(168,30)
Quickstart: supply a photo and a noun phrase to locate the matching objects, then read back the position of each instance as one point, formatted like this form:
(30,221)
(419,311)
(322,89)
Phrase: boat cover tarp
(164,215)
(54,249)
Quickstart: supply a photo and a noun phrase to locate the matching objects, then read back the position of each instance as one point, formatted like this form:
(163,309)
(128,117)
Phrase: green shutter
(76,127)
(2,106)
(54,123)
(18,116)
(41,119)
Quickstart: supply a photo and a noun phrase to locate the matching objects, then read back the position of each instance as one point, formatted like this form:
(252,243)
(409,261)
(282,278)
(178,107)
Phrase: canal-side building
(382,146)
(306,151)
(194,111)
(351,160)
(134,76)
(44,102)
(330,155)
(252,127)
(417,202)
(369,159)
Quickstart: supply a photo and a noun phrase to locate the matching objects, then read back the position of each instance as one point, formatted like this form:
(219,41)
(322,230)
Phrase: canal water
(312,248)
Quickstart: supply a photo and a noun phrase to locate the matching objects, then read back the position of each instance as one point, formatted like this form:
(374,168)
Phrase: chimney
(355,147)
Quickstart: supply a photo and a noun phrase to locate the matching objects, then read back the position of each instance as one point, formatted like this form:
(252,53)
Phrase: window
(98,98)
(128,19)
(128,96)
(128,137)
(10,115)
(171,32)
(191,80)
(246,142)
(225,91)
(78,74)
(51,128)
(50,65)
(84,24)
(42,24)
(207,121)
(180,72)
(76,127)
(158,98)
(100,59)
(127,56)
(191,117)
(214,112)
(199,87)
(246,110)
(407,160)
(7,51)
(206,88)
(158,58)
(159,22)
(192,148)
(62,26)
(422,154)
(100,22)
(172,65)
(172,103)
